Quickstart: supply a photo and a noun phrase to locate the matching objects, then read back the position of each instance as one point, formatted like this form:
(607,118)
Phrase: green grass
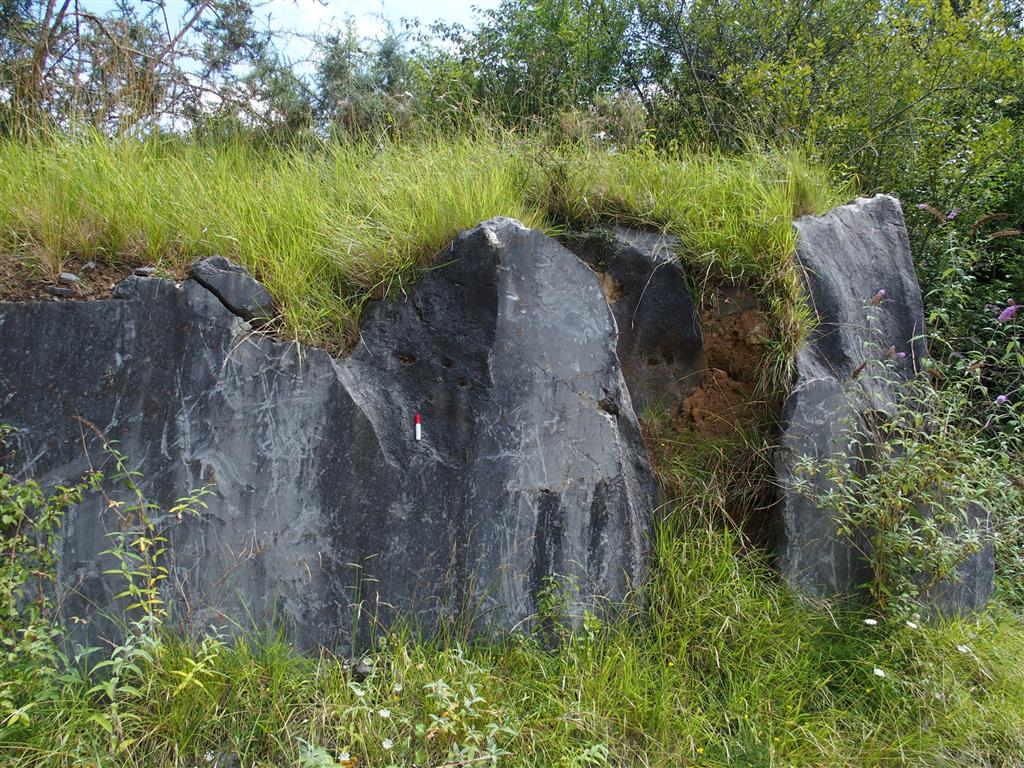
(329,228)
(713,664)
(721,667)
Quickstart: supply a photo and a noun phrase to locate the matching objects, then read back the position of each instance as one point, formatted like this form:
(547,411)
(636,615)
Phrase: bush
(921,475)
(31,662)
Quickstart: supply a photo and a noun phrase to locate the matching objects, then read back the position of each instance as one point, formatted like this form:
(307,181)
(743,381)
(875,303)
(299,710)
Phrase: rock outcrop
(325,512)
(235,287)
(660,346)
(863,287)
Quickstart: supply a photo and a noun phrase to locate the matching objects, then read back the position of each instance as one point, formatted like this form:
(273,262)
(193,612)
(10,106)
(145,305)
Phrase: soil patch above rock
(96,280)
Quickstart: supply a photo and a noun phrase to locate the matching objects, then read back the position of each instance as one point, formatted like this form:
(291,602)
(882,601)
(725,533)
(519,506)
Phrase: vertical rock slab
(660,346)
(509,353)
(325,513)
(863,288)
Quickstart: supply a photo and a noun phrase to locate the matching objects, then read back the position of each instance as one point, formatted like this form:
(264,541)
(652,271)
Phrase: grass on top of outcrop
(328,228)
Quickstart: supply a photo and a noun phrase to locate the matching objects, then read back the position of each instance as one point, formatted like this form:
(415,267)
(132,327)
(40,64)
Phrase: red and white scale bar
(419,428)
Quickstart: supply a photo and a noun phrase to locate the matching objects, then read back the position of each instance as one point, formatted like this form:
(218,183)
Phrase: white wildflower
(385,713)
(879,672)
(359,692)
(387,744)
(871,622)
(344,757)
(963,649)
(911,625)
(209,757)
(397,688)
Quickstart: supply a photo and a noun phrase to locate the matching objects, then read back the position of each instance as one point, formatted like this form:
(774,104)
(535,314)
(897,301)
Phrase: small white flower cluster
(910,624)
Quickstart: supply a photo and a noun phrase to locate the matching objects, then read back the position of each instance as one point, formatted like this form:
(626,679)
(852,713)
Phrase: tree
(141,65)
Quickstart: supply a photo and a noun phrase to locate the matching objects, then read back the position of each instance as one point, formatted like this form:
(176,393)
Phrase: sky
(318,16)
(306,17)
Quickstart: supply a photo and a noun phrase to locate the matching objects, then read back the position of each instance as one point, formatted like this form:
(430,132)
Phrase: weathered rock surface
(660,347)
(863,286)
(234,286)
(325,513)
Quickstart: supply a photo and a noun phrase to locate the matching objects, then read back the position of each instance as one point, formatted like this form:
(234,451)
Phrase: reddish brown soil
(719,405)
(612,289)
(734,343)
(734,337)
(19,282)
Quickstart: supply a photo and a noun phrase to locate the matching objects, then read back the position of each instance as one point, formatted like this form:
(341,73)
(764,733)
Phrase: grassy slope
(715,665)
(328,229)
(721,668)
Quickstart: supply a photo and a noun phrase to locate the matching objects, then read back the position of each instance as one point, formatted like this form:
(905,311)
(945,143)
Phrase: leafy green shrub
(971,274)
(34,667)
(31,662)
(915,477)
(138,546)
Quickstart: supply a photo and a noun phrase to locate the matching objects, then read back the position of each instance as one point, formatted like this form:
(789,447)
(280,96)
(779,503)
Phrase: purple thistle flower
(1001,399)
(901,355)
(953,214)
(1007,314)
(877,298)
(922,206)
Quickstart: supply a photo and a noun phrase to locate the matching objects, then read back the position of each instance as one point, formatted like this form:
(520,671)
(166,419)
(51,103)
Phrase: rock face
(660,347)
(234,286)
(863,286)
(325,513)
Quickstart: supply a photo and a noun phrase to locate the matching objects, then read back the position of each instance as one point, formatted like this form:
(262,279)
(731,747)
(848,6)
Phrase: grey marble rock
(325,514)
(863,287)
(660,346)
(234,286)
